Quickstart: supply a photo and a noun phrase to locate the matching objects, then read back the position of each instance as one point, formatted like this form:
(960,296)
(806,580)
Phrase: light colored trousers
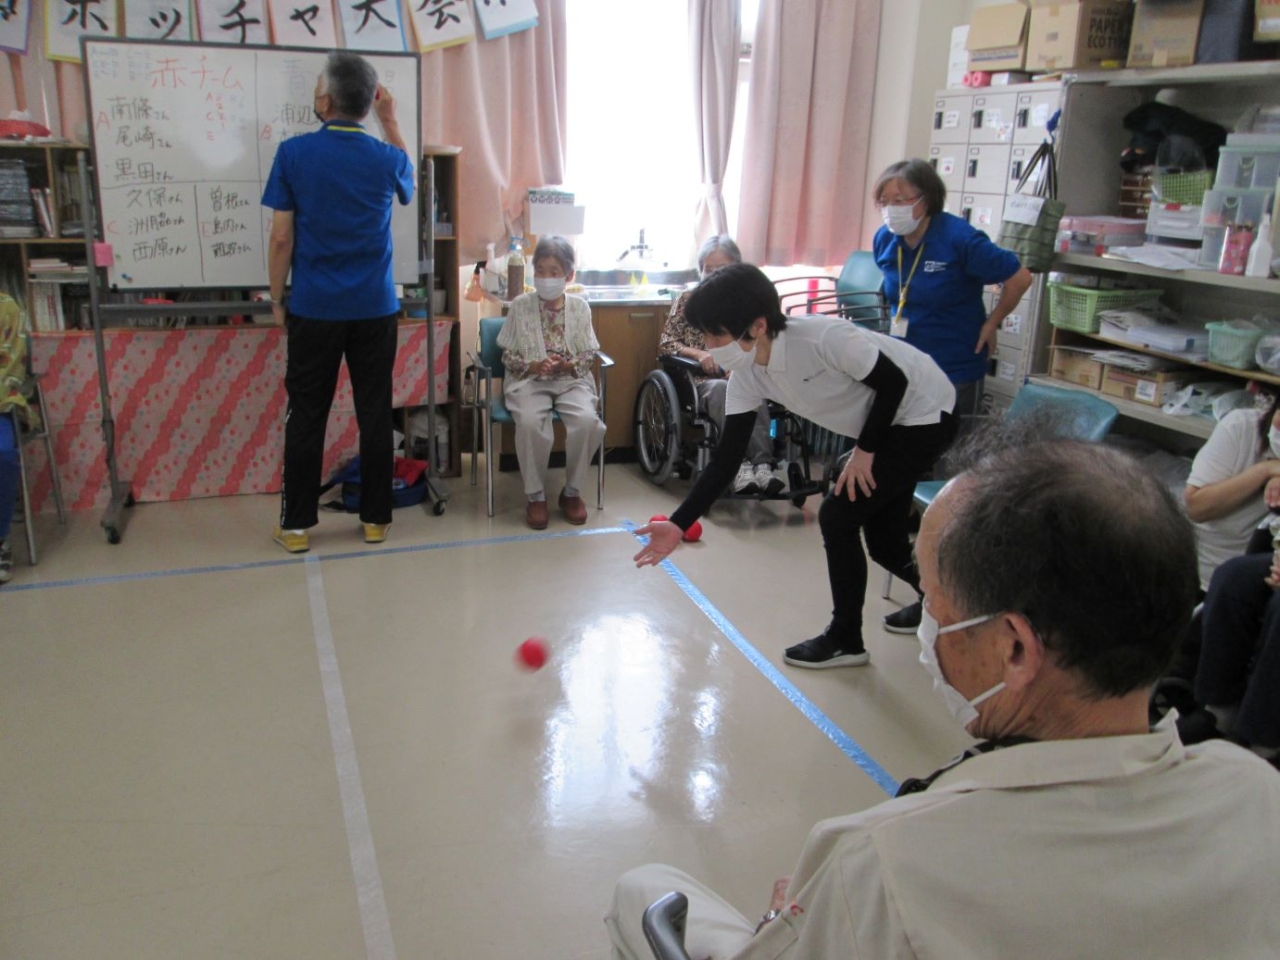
(531,402)
(760,449)
(712,929)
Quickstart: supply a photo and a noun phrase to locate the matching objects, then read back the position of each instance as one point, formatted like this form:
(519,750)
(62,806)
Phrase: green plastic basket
(1187,189)
(1077,308)
(1231,347)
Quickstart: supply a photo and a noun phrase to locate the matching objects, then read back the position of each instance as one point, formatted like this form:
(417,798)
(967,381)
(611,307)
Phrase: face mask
(732,357)
(1273,435)
(899,219)
(549,288)
(963,710)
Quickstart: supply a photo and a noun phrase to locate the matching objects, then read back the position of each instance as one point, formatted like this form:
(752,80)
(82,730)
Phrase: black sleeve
(728,454)
(890,384)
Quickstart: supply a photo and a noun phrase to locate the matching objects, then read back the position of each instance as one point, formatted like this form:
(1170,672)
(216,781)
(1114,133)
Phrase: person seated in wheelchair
(1058,577)
(756,473)
(549,350)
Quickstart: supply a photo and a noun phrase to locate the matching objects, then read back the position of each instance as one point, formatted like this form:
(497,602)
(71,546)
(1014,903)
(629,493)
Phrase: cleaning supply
(475,286)
(1260,254)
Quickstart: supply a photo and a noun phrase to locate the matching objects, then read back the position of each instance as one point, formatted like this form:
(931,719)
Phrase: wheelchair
(675,435)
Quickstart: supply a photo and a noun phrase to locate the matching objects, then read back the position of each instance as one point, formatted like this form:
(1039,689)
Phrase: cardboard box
(1266,20)
(998,37)
(1152,388)
(1165,33)
(958,58)
(1076,367)
(1067,36)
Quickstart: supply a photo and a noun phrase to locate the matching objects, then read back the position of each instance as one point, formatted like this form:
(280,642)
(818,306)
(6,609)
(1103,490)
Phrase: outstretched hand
(664,536)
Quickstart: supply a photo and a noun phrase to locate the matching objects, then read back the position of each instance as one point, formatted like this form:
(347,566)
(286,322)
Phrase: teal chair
(1083,417)
(856,294)
(486,366)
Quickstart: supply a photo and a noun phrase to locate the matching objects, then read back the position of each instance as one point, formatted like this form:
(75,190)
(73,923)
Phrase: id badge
(898,328)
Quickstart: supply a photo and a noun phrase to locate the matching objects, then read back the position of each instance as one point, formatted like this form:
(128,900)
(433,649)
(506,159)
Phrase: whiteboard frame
(416,159)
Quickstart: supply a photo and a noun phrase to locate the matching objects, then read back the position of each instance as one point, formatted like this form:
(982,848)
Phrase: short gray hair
(721,243)
(351,81)
(558,249)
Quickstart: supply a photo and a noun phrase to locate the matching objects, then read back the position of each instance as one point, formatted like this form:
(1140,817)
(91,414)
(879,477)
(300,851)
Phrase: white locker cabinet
(991,117)
(1032,115)
(986,168)
(984,211)
(1006,372)
(1015,328)
(951,118)
(948,160)
(955,203)
(1019,157)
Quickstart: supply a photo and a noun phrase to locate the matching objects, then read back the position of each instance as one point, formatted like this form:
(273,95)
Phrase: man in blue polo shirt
(331,191)
(935,266)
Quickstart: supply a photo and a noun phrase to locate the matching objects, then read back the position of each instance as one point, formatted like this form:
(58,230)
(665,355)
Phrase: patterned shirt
(555,342)
(677,333)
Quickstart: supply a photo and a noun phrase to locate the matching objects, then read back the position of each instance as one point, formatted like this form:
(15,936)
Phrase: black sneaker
(906,620)
(826,650)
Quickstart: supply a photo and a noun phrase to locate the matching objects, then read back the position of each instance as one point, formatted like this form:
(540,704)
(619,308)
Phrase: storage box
(958,59)
(1226,33)
(1224,207)
(1247,168)
(1065,36)
(1266,20)
(1076,367)
(998,37)
(1173,221)
(1165,33)
(1151,387)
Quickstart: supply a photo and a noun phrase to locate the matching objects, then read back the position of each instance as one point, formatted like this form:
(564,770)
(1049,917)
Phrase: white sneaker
(768,481)
(745,481)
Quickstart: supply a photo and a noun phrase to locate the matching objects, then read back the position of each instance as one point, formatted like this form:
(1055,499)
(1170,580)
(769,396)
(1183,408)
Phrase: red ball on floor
(532,654)
(694,533)
(657,516)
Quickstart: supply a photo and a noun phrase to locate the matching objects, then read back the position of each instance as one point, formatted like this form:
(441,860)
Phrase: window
(632,158)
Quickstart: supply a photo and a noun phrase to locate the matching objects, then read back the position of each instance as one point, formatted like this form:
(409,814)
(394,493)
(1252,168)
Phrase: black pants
(316,350)
(903,458)
(1240,647)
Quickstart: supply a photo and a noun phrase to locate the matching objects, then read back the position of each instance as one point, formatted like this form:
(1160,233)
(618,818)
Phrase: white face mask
(732,357)
(549,288)
(963,710)
(1273,435)
(899,220)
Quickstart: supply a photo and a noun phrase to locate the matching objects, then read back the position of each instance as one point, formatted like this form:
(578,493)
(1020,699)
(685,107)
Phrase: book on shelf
(46,312)
(44,213)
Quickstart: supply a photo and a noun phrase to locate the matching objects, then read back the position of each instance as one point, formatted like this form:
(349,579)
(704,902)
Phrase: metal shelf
(1210,278)
(1192,426)
(1255,374)
(1248,72)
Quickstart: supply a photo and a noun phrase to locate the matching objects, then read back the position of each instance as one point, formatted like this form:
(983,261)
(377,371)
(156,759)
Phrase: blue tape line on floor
(847,745)
(290,561)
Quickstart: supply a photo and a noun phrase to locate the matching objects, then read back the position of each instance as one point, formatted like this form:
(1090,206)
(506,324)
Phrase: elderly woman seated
(549,348)
(755,474)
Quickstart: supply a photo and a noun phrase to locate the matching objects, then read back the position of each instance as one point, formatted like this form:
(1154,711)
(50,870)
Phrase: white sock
(571,491)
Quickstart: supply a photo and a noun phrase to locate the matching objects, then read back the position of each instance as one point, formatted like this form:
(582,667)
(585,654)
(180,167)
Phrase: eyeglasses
(904,202)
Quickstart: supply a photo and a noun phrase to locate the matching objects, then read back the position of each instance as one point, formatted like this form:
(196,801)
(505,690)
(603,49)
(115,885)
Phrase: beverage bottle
(515,268)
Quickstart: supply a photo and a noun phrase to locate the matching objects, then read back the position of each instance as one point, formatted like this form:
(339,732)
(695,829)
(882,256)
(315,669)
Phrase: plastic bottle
(475,286)
(515,268)
(1260,253)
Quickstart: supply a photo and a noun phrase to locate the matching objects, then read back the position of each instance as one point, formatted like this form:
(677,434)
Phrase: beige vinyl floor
(212,749)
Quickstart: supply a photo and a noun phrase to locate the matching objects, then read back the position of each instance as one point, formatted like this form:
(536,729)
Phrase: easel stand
(115,518)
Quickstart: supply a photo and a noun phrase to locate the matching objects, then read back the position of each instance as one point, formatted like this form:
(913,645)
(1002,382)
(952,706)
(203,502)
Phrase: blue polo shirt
(339,182)
(944,308)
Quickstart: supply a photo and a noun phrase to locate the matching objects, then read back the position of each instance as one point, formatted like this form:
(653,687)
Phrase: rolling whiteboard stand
(427,269)
(114,519)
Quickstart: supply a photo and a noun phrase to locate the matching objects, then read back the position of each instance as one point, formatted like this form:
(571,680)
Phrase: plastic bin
(1173,221)
(1077,308)
(1233,348)
(1185,188)
(1247,168)
(1224,207)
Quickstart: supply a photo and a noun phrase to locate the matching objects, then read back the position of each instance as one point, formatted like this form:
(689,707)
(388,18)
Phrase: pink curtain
(502,101)
(715,36)
(808,124)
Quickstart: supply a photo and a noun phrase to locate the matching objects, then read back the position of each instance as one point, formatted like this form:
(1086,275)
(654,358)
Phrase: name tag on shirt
(898,328)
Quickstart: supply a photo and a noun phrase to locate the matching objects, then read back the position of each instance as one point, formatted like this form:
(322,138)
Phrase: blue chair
(856,294)
(1083,416)
(486,366)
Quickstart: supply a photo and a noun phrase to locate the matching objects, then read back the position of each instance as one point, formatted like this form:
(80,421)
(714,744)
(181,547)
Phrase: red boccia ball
(694,533)
(532,654)
(657,517)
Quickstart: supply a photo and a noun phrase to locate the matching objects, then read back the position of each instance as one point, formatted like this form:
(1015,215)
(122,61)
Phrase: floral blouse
(555,340)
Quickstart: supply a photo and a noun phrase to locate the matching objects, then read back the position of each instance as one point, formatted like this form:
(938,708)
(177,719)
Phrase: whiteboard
(184,135)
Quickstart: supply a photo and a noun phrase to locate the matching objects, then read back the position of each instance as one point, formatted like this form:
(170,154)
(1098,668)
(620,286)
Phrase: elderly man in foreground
(1057,581)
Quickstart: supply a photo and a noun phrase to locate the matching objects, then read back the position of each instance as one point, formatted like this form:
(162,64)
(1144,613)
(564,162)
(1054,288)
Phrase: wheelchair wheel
(657,423)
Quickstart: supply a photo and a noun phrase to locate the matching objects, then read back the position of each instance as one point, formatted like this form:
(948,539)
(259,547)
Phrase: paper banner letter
(233,21)
(303,23)
(441,23)
(372,25)
(157,19)
(15,24)
(66,21)
(501,17)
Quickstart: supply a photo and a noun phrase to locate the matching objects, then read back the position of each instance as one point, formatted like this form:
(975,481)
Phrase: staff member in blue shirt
(935,266)
(331,191)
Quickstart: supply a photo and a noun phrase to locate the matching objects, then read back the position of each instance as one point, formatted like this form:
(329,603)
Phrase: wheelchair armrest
(663,925)
(606,361)
(677,362)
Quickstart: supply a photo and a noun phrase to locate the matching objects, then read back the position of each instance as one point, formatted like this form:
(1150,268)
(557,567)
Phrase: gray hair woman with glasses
(756,474)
